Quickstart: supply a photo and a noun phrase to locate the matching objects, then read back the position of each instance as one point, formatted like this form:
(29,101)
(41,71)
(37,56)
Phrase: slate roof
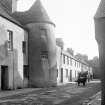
(7,4)
(6,15)
(100,13)
(36,13)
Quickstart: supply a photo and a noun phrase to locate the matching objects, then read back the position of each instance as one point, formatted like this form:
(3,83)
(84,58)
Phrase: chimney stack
(14,5)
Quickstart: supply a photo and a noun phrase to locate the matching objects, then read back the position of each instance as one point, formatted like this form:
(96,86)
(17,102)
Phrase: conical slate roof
(100,13)
(36,13)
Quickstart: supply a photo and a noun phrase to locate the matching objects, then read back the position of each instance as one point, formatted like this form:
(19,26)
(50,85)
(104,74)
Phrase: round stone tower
(41,45)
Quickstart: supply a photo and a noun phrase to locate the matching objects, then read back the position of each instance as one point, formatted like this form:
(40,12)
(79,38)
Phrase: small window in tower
(43,34)
(43,39)
(44,54)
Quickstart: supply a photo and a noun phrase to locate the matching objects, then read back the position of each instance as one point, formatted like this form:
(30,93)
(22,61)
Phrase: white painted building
(68,67)
(13,58)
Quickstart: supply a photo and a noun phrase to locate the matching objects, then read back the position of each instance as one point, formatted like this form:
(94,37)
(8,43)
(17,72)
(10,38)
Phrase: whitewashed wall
(19,35)
(60,64)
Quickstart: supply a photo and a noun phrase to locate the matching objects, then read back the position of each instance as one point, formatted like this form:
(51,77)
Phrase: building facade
(27,47)
(12,57)
(68,67)
(29,56)
(42,45)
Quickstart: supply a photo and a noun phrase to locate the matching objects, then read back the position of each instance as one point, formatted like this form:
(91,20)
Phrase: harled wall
(43,71)
(13,59)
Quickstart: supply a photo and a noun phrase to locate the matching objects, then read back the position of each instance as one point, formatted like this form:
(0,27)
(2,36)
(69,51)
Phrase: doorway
(4,77)
(26,71)
(62,75)
(70,75)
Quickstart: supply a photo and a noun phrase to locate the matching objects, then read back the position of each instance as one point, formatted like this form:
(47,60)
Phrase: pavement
(17,91)
(54,96)
(94,100)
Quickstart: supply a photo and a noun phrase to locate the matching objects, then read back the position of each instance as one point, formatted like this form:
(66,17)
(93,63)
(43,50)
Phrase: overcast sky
(74,22)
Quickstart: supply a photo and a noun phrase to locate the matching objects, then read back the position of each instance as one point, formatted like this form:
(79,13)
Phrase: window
(43,34)
(63,59)
(44,54)
(57,72)
(24,47)
(75,63)
(66,72)
(71,61)
(68,60)
(79,64)
(10,40)
(43,39)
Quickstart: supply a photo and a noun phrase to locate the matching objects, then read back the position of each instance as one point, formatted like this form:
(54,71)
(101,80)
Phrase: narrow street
(69,94)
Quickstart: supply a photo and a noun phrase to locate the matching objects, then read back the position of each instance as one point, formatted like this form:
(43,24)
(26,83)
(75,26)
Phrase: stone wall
(42,55)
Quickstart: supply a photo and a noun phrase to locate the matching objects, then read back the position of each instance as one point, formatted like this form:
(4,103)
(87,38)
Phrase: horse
(82,78)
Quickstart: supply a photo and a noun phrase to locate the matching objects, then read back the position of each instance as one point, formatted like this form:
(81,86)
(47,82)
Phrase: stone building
(27,47)
(99,20)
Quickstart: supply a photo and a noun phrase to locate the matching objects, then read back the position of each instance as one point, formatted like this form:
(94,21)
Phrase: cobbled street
(69,94)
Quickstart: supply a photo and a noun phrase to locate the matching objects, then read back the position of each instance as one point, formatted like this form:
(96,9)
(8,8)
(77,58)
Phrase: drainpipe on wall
(13,69)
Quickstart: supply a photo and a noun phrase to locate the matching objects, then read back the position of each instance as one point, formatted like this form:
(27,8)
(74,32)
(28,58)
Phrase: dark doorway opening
(26,75)
(26,71)
(4,77)
(70,75)
(61,74)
